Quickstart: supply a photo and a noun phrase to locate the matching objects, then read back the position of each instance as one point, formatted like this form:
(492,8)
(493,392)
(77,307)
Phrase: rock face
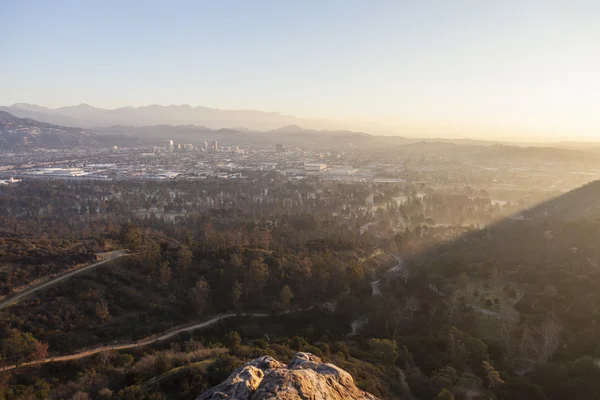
(306,377)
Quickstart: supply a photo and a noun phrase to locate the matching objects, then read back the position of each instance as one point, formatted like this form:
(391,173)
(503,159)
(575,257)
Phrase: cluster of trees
(27,258)
(266,195)
(179,270)
(446,365)
(423,332)
(18,347)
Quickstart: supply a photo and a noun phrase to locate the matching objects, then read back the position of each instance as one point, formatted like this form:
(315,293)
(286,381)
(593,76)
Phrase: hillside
(576,205)
(479,152)
(508,311)
(28,134)
(541,265)
(93,117)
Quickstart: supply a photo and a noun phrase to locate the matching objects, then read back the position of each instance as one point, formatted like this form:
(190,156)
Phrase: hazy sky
(447,67)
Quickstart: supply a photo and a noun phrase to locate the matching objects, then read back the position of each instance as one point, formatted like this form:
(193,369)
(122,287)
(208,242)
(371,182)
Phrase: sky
(514,69)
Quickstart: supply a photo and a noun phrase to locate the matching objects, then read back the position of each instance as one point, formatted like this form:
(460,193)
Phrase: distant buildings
(212,146)
(279,148)
(314,167)
(341,172)
(9,181)
(170,146)
(57,172)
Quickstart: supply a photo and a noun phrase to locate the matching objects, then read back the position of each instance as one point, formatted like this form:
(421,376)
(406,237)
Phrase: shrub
(105,394)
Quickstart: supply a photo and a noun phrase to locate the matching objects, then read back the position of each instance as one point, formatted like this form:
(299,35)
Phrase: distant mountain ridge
(88,116)
(29,134)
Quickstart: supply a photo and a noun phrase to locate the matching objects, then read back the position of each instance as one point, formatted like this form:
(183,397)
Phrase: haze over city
(514,70)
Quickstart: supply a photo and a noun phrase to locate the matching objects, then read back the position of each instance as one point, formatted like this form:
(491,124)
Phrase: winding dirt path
(122,346)
(113,255)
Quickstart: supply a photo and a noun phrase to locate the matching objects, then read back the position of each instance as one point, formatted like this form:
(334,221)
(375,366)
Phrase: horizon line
(341,125)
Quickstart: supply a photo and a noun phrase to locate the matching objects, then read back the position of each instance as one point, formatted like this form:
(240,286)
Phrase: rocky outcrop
(305,377)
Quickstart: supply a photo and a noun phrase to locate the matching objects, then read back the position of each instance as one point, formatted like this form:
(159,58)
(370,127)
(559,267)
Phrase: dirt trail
(106,257)
(144,342)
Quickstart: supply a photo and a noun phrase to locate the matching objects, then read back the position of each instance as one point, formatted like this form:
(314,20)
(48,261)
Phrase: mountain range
(87,116)
(30,134)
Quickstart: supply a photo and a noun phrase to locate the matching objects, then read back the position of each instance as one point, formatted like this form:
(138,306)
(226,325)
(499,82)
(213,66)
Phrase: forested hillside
(411,308)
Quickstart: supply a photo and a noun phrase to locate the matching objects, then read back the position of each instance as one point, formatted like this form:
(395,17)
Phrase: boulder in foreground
(305,377)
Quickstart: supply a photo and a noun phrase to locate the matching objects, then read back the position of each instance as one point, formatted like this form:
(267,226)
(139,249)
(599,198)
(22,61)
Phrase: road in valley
(397,269)
(144,342)
(106,257)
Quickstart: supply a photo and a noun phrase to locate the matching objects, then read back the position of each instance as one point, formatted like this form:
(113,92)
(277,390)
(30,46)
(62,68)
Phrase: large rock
(305,377)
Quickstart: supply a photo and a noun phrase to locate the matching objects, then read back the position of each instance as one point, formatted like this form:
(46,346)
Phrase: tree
(102,311)
(105,394)
(19,346)
(384,349)
(493,376)
(133,392)
(40,351)
(410,307)
(285,296)
(106,356)
(13,346)
(90,376)
(447,375)
(80,396)
(232,340)
(165,275)
(445,394)
(255,276)
(184,259)
(152,253)
(162,363)
(200,295)
(452,302)
(236,295)
(547,338)
(131,236)
(507,327)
